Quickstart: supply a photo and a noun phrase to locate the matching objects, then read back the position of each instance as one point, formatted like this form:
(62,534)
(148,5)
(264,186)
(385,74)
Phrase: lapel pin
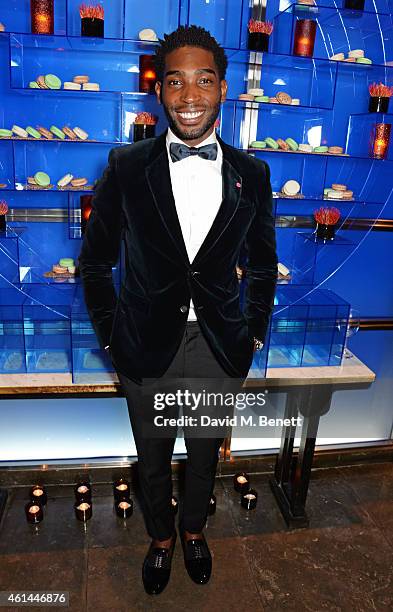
(238,185)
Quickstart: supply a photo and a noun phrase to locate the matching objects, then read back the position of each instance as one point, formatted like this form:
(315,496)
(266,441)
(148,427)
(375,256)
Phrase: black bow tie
(179,151)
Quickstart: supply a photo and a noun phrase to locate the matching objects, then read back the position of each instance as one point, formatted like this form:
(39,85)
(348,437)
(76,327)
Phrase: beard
(192,133)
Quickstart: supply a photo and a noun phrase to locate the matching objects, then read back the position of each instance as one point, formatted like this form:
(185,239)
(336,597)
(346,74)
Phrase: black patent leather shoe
(156,568)
(197,559)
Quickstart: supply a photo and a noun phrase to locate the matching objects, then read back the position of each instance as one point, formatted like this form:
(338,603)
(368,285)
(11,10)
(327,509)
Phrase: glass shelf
(338,31)
(308,327)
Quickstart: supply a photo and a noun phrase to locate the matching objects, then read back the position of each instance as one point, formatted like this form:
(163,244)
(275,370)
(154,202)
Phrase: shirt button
(183,308)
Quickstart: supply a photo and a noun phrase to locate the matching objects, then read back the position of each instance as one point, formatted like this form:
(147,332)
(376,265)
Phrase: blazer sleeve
(261,264)
(100,252)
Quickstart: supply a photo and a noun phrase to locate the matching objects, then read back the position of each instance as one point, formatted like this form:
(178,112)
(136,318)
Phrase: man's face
(191,93)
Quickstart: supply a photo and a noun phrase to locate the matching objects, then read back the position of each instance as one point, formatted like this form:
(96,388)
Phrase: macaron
(42,179)
(71,269)
(19,131)
(42,130)
(34,85)
(282,144)
(305,148)
(338,57)
(31,180)
(65,180)
(52,81)
(334,195)
(255,91)
(262,99)
(283,97)
(271,143)
(91,86)
(321,149)
(356,53)
(66,261)
(41,82)
(59,269)
(247,97)
(363,60)
(57,132)
(33,132)
(282,269)
(273,100)
(295,101)
(70,85)
(326,190)
(350,60)
(4,133)
(69,132)
(291,188)
(148,34)
(81,78)
(79,182)
(82,135)
(258,144)
(336,150)
(339,187)
(293,145)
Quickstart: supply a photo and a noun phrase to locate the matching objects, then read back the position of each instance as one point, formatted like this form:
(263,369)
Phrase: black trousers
(194,359)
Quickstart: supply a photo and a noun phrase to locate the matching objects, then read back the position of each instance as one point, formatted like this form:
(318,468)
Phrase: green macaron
(42,179)
(258,144)
(34,85)
(261,99)
(4,133)
(293,145)
(57,132)
(52,81)
(66,262)
(33,132)
(271,143)
(321,149)
(326,190)
(363,60)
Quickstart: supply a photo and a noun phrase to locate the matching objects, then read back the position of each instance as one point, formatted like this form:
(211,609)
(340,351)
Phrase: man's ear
(224,89)
(158,90)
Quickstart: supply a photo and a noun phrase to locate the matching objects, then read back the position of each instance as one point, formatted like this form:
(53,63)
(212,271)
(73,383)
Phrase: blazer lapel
(158,178)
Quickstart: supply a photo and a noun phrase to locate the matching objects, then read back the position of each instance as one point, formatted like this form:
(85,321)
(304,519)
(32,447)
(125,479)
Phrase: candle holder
(147,74)
(241,482)
(380,139)
(83,510)
(121,489)
(380,95)
(144,126)
(258,35)
(38,495)
(249,499)
(175,504)
(3,212)
(34,512)
(124,507)
(304,39)
(82,492)
(326,218)
(212,505)
(92,20)
(42,17)
(86,205)
(356,5)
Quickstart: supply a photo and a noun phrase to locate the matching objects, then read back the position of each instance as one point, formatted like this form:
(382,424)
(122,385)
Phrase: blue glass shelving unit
(45,319)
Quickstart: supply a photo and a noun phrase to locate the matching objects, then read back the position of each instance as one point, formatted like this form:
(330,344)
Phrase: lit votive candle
(249,499)
(82,491)
(38,494)
(121,488)
(124,507)
(175,504)
(83,510)
(241,482)
(34,512)
(212,505)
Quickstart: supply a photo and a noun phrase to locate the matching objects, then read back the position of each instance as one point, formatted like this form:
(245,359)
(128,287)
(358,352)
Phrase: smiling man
(185,204)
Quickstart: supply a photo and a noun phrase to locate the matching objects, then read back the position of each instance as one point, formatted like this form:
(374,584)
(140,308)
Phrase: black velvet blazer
(133,201)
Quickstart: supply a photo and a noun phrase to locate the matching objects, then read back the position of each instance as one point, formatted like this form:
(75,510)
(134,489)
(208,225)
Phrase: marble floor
(342,562)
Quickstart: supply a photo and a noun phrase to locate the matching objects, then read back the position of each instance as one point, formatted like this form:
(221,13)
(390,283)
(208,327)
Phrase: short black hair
(193,36)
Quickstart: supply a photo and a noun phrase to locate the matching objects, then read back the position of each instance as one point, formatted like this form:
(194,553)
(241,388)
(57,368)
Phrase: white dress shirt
(197,190)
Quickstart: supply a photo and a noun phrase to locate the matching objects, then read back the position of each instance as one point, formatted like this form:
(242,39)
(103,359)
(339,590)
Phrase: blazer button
(183,308)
